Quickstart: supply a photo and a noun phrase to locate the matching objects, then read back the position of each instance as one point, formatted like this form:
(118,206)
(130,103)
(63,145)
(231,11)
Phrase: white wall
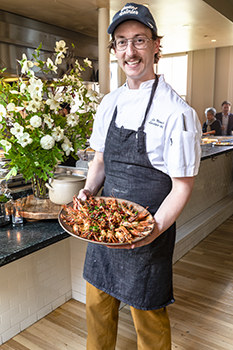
(210,79)
(223,89)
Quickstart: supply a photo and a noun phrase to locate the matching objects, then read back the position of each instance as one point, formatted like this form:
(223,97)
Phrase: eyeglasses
(139,42)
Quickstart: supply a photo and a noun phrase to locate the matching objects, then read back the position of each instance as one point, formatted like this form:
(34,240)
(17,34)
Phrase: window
(174,69)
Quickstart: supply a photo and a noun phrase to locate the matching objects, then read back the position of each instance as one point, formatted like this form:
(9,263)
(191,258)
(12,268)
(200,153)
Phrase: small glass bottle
(17,217)
(5,204)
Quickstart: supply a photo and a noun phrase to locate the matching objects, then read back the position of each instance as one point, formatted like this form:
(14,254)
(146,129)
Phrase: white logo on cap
(129,10)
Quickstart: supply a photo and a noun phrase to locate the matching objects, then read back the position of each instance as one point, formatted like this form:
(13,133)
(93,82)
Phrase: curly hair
(158,55)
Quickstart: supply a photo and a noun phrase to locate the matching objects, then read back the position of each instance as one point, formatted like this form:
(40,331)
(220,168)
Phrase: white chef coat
(173,130)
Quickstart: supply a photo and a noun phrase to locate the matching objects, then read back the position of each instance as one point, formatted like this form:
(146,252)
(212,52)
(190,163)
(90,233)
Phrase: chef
(147,143)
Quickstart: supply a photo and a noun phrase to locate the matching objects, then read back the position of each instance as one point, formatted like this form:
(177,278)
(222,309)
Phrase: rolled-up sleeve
(182,152)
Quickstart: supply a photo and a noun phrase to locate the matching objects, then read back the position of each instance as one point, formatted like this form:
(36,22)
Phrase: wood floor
(201,318)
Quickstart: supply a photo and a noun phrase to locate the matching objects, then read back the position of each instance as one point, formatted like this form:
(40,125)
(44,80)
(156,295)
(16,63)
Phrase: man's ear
(157,45)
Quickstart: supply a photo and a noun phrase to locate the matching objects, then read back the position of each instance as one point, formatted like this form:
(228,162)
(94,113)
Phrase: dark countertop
(210,151)
(18,242)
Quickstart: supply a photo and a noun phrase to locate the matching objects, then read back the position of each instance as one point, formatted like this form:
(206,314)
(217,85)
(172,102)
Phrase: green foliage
(34,135)
(3,198)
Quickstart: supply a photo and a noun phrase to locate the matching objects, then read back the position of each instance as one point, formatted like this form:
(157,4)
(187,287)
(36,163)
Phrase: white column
(104,56)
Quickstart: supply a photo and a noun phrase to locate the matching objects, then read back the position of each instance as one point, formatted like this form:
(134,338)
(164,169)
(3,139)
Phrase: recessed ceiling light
(213,40)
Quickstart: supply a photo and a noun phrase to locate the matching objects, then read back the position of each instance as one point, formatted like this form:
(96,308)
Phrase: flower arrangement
(34,136)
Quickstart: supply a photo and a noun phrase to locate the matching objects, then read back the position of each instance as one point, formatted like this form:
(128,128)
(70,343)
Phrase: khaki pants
(152,327)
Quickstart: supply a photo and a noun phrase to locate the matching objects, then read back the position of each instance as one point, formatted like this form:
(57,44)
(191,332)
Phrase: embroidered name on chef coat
(156,122)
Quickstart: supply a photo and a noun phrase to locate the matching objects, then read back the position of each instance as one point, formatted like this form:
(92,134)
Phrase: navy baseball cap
(132,11)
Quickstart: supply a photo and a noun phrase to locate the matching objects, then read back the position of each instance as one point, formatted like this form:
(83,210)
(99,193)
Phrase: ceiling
(185,24)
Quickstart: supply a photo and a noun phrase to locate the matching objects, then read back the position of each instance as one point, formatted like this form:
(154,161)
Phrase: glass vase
(38,187)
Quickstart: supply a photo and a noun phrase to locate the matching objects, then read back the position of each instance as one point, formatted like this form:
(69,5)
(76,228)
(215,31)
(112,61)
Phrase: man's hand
(150,238)
(169,210)
(84,194)
(95,177)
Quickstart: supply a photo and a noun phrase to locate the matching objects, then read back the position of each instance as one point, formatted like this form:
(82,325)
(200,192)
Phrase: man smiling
(137,64)
(147,143)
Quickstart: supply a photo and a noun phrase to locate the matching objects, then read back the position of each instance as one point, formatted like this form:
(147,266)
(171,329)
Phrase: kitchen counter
(211,150)
(211,202)
(17,242)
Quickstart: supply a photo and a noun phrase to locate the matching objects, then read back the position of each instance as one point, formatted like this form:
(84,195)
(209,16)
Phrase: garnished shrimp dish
(106,220)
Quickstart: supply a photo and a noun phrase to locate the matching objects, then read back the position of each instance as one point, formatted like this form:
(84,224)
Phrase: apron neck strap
(153,89)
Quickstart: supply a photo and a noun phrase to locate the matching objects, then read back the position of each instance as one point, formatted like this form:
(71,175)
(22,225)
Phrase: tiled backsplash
(33,286)
(78,251)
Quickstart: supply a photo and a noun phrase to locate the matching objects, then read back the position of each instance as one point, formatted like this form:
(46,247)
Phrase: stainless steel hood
(20,35)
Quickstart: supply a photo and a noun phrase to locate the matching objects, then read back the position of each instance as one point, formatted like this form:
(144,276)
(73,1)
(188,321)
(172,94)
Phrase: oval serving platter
(136,207)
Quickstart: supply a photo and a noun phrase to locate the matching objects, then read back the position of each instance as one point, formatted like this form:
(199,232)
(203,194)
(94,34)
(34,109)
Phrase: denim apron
(140,277)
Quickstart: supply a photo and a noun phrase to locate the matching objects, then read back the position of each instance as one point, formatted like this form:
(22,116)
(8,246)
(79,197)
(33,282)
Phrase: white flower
(54,101)
(94,96)
(48,120)
(22,88)
(35,87)
(37,99)
(36,121)
(2,112)
(51,65)
(33,106)
(17,130)
(25,64)
(47,142)
(87,62)
(59,58)
(72,119)
(25,103)
(67,146)
(6,144)
(58,133)
(77,65)
(11,107)
(73,79)
(60,46)
(24,139)
(14,92)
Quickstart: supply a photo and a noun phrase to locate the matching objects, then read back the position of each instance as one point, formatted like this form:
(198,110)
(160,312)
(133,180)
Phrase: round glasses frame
(134,42)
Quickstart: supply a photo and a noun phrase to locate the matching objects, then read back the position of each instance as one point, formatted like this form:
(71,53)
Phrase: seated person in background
(212,126)
(226,118)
